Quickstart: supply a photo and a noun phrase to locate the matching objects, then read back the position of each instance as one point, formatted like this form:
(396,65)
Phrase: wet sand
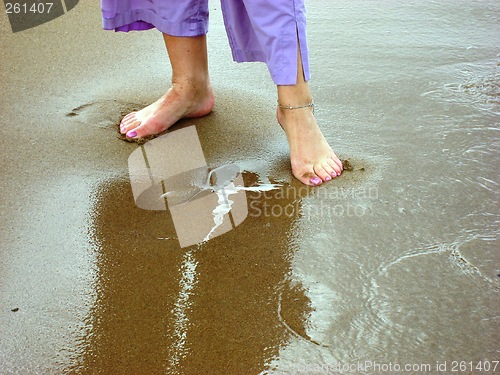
(396,262)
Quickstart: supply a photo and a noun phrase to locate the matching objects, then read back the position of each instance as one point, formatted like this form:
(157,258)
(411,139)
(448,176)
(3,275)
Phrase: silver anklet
(311,105)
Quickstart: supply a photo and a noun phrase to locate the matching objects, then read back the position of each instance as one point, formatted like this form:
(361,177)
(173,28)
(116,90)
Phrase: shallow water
(394,263)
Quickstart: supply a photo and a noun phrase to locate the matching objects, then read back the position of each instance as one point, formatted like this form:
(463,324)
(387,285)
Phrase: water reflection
(225,306)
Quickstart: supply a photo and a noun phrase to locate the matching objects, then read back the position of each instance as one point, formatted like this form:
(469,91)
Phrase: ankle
(294,95)
(298,112)
(191,88)
(192,81)
(285,108)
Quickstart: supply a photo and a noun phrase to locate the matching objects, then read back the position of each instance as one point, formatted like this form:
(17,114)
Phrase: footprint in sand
(104,114)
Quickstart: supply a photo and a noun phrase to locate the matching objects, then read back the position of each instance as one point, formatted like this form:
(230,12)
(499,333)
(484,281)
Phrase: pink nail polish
(315,180)
(132,134)
(334,174)
(328,178)
(338,174)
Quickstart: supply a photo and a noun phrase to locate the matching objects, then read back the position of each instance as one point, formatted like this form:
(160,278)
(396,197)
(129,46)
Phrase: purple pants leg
(267,30)
(258,30)
(177,18)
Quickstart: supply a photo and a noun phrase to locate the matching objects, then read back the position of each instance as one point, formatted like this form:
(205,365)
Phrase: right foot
(182,100)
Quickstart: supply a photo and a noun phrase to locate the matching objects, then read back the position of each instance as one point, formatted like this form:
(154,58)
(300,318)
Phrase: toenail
(315,180)
(132,134)
(334,174)
(328,178)
(338,174)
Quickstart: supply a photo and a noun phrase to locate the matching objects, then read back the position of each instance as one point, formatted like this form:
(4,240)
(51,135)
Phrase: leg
(274,31)
(189,96)
(312,159)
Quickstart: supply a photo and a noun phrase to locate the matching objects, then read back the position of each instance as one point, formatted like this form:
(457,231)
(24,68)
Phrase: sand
(394,262)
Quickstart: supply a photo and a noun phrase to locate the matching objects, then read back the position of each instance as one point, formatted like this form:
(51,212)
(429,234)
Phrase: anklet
(311,105)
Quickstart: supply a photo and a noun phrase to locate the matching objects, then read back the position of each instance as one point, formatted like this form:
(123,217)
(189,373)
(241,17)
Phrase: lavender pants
(258,30)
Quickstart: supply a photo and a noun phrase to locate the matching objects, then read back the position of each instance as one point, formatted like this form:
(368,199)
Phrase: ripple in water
(476,83)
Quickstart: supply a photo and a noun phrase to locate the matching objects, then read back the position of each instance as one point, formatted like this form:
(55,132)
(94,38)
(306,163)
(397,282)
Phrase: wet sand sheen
(218,307)
(406,90)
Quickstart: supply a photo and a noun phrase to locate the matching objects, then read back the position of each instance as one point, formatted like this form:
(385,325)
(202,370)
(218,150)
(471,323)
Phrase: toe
(129,122)
(337,170)
(338,162)
(130,117)
(309,178)
(147,128)
(322,173)
(125,128)
(330,169)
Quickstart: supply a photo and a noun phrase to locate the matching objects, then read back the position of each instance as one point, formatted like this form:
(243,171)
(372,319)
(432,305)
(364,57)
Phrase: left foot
(313,161)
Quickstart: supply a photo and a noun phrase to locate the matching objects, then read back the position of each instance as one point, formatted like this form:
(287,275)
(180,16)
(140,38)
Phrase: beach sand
(393,263)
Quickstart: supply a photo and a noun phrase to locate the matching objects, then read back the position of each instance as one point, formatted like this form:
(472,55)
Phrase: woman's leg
(273,31)
(189,96)
(311,157)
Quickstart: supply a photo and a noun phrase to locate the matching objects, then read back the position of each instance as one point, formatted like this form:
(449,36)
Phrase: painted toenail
(338,174)
(315,180)
(334,174)
(132,134)
(328,178)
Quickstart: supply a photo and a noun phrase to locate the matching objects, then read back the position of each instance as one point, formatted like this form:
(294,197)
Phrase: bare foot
(313,161)
(182,100)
